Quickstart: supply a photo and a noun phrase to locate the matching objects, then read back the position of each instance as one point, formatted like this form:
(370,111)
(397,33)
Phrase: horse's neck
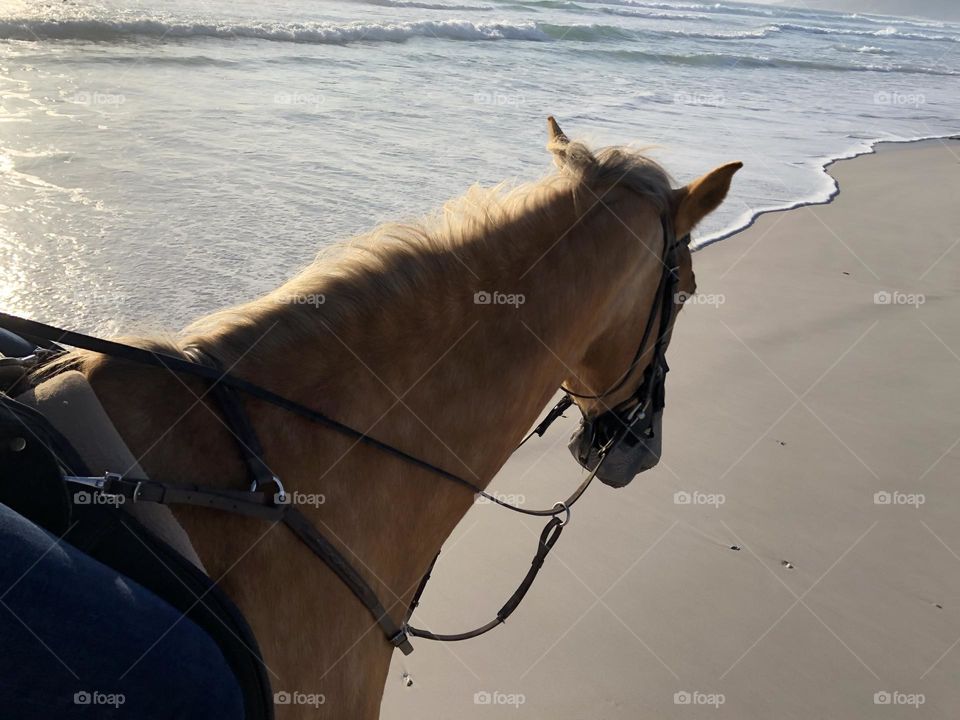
(447,380)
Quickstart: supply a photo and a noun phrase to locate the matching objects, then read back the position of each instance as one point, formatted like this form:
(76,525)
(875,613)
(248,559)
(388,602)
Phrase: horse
(444,337)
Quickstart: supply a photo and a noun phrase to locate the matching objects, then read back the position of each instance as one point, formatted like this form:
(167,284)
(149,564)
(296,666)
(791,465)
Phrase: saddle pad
(72,407)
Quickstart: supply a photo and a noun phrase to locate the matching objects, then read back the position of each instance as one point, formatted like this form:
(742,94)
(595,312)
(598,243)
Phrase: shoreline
(872,148)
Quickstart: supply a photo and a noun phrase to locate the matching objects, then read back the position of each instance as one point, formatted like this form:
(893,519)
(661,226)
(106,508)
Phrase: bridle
(626,439)
(669,277)
(275,506)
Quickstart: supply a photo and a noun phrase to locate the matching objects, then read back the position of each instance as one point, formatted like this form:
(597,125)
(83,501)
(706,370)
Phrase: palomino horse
(416,335)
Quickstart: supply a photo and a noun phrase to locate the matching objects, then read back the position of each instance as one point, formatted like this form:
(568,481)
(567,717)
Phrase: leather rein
(275,506)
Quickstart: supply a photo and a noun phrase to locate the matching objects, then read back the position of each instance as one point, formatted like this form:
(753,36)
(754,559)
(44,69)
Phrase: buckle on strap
(400,640)
(96,483)
(111,485)
(555,412)
(280,497)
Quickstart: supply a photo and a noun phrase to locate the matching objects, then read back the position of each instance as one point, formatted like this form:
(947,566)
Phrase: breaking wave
(97,30)
(316,33)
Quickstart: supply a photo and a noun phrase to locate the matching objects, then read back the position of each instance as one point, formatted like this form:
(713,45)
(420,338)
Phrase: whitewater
(160,161)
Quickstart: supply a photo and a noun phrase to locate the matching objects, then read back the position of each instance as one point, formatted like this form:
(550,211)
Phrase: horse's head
(619,384)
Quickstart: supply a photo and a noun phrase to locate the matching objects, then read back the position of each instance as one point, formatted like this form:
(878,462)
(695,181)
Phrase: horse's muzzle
(625,447)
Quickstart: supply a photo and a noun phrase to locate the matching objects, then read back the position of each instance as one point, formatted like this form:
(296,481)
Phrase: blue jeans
(78,640)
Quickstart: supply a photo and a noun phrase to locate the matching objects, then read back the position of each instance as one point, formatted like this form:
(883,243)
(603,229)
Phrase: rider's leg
(77,640)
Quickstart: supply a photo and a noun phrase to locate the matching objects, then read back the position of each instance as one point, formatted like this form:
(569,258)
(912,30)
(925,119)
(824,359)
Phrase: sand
(791,404)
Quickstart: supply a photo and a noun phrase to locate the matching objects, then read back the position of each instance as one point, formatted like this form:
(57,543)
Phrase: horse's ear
(557,142)
(701,197)
(568,155)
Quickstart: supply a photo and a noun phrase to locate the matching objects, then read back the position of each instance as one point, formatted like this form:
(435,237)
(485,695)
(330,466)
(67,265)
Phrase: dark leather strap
(555,413)
(312,538)
(548,538)
(415,602)
(262,506)
(248,442)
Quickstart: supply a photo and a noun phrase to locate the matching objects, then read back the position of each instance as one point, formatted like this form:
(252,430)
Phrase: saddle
(58,427)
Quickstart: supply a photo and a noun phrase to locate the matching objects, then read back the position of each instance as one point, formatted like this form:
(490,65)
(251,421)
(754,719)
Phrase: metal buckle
(97,483)
(401,640)
(101,485)
(566,510)
(281,494)
(638,412)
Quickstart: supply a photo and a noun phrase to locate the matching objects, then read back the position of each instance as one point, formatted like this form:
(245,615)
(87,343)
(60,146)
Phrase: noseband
(596,445)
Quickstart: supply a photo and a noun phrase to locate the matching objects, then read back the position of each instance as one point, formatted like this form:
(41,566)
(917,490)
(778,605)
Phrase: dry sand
(794,402)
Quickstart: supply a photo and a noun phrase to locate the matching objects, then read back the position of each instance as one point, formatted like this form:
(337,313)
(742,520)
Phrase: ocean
(163,160)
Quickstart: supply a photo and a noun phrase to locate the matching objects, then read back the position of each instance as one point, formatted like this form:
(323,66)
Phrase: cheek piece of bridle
(612,437)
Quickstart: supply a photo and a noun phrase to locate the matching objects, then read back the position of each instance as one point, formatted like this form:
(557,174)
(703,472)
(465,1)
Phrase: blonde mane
(480,234)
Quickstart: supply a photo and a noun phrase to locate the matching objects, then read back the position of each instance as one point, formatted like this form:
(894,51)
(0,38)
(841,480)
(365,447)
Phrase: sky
(936,9)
